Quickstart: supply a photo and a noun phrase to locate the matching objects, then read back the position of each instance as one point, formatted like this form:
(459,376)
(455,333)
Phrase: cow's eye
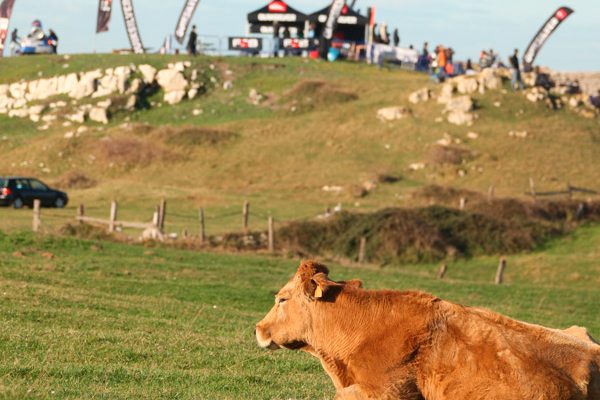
(281,300)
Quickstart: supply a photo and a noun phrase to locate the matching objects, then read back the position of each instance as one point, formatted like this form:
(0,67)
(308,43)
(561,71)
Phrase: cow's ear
(318,287)
(308,269)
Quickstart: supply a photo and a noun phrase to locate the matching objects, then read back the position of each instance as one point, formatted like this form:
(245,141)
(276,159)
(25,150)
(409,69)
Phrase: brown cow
(411,345)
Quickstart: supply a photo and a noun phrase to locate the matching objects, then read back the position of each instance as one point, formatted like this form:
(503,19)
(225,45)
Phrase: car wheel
(17,203)
(59,202)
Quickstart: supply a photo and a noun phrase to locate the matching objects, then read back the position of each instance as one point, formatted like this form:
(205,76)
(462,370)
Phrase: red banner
(104,13)
(543,34)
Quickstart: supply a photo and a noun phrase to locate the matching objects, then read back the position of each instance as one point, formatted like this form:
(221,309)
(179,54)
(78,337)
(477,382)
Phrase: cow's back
(478,354)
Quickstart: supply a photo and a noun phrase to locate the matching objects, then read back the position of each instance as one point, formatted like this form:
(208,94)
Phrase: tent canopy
(277,11)
(347,17)
(351,26)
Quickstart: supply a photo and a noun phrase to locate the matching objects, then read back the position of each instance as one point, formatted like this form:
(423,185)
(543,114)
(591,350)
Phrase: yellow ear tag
(318,292)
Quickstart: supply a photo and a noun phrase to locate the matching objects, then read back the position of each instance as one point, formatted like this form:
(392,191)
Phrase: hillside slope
(316,126)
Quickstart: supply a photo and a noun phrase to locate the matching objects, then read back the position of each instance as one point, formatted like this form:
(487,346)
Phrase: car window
(3,182)
(37,185)
(21,184)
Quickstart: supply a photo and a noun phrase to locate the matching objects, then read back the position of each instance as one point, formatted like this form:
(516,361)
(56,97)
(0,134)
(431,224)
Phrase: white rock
(473,135)
(66,83)
(18,90)
(419,96)
(81,129)
(19,113)
(461,103)
(49,118)
(174,97)
(227,85)
(131,101)
(98,114)
(518,134)
(197,112)
(171,80)
(4,90)
(134,86)
(104,104)
(466,85)
(416,166)
(179,66)
(148,73)
(446,93)
(69,135)
(392,113)
(459,117)
(192,93)
(78,117)
(86,85)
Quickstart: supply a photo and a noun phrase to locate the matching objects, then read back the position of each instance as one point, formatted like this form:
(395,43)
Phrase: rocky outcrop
(130,82)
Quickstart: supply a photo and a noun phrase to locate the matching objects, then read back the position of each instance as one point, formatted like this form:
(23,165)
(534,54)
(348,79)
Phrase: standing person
(15,42)
(286,35)
(516,72)
(53,41)
(396,38)
(193,42)
(276,39)
(441,62)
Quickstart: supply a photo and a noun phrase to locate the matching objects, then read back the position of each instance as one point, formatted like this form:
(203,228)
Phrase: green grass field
(85,319)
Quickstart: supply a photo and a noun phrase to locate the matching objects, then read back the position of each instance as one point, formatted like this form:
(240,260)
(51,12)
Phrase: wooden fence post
(500,271)
(532,188)
(245,215)
(362,249)
(162,215)
(202,226)
(113,216)
(271,236)
(491,193)
(36,215)
(442,271)
(569,191)
(156,217)
(80,213)
(462,204)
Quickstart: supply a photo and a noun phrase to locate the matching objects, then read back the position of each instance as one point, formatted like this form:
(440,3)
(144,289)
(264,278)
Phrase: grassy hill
(89,319)
(306,134)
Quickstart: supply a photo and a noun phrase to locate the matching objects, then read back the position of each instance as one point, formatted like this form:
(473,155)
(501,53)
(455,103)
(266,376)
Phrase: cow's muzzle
(263,338)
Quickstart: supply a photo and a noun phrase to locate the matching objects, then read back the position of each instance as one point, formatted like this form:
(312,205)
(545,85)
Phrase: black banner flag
(131,26)
(185,18)
(104,13)
(6,7)
(543,34)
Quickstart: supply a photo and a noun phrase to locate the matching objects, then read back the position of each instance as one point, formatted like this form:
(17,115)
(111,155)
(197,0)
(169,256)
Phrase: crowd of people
(37,41)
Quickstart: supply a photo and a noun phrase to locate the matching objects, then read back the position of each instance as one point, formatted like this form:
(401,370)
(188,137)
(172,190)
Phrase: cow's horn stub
(309,268)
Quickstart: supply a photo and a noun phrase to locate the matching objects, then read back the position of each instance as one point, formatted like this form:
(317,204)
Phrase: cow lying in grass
(411,345)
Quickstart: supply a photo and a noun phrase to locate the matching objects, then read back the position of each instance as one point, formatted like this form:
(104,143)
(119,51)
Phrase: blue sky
(466,25)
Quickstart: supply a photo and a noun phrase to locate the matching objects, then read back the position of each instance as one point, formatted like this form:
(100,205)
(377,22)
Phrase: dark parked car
(18,192)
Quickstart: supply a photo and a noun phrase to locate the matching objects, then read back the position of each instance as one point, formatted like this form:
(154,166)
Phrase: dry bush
(307,95)
(196,136)
(75,180)
(448,155)
(132,152)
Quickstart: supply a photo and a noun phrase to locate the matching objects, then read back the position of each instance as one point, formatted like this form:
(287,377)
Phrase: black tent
(277,11)
(351,25)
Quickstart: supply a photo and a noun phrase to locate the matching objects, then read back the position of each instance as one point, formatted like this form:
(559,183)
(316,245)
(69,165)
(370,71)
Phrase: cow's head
(289,323)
